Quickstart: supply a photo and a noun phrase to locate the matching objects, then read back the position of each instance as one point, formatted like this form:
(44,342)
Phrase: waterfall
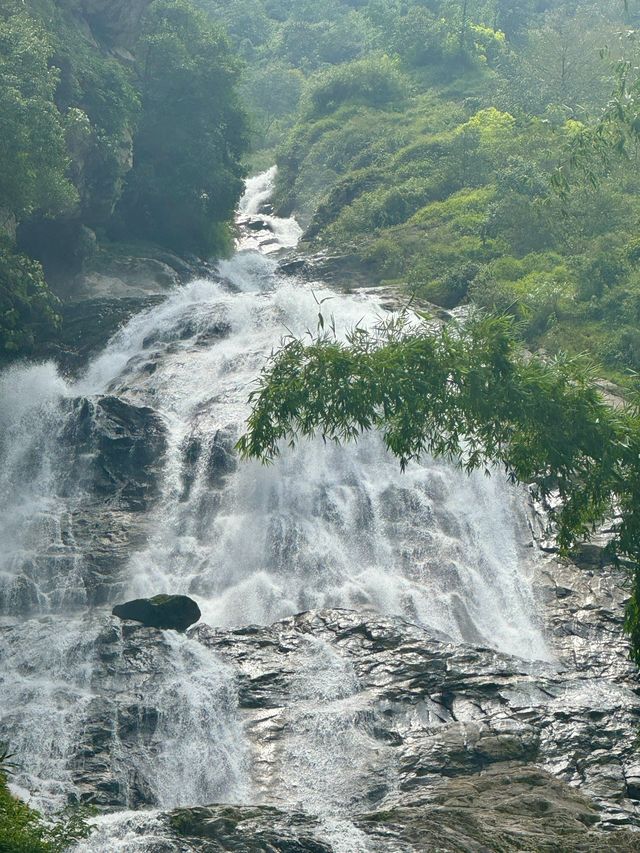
(322,527)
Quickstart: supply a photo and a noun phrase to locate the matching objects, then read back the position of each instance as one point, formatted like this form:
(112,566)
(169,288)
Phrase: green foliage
(535,290)
(469,395)
(33,158)
(101,107)
(560,62)
(20,828)
(75,116)
(375,81)
(431,197)
(622,349)
(24,830)
(186,176)
(74,108)
(7,765)
(27,306)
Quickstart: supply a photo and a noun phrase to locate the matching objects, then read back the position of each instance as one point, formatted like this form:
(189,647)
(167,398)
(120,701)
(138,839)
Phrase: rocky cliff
(115,22)
(439,746)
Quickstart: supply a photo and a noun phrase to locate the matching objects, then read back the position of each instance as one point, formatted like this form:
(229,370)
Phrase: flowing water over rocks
(385,662)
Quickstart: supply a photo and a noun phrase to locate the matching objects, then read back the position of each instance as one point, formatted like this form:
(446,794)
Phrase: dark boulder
(162,611)
(296,266)
(259,225)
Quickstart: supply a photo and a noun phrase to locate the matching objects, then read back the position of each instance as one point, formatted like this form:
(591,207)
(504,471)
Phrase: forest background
(419,140)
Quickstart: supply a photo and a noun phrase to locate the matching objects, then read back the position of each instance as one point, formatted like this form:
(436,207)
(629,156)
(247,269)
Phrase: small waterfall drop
(280,233)
(323,527)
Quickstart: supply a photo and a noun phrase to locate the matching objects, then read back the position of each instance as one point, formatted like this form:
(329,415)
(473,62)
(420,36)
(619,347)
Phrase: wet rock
(590,554)
(88,325)
(297,267)
(250,830)
(503,810)
(176,612)
(206,466)
(118,450)
(190,329)
(430,736)
(125,277)
(258,225)
(191,456)
(632,778)
(108,463)
(271,243)
(440,710)
(222,458)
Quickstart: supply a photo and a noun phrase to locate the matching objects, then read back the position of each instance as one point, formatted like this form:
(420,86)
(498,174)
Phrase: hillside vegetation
(421,139)
(119,120)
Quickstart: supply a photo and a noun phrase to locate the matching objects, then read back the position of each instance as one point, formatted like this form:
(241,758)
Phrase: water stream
(323,527)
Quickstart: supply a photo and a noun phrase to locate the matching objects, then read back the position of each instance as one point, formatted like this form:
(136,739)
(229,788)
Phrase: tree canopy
(33,157)
(140,139)
(187,177)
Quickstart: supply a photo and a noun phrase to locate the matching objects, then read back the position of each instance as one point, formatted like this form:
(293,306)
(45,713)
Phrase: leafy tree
(272,94)
(467,394)
(33,157)
(27,306)
(617,132)
(101,107)
(244,20)
(561,63)
(375,81)
(186,176)
(512,16)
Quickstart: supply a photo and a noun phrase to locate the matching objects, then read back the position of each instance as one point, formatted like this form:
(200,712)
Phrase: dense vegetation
(186,177)
(424,144)
(133,130)
(418,137)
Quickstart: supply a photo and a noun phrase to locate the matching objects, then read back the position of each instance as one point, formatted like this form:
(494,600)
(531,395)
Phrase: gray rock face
(502,810)
(169,612)
(422,744)
(124,277)
(124,445)
(108,458)
(117,22)
(89,324)
(438,710)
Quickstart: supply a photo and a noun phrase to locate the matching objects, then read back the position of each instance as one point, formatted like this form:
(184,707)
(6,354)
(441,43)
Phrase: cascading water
(273,232)
(323,527)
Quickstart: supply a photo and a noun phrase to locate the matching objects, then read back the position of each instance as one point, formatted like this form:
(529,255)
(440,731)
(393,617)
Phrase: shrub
(451,288)
(24,830)
(622,348)
(27,306)
(375,81)
(33,158)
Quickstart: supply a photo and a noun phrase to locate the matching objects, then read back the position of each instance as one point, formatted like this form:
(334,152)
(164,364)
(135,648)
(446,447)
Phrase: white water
(259,190)
(323,527)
